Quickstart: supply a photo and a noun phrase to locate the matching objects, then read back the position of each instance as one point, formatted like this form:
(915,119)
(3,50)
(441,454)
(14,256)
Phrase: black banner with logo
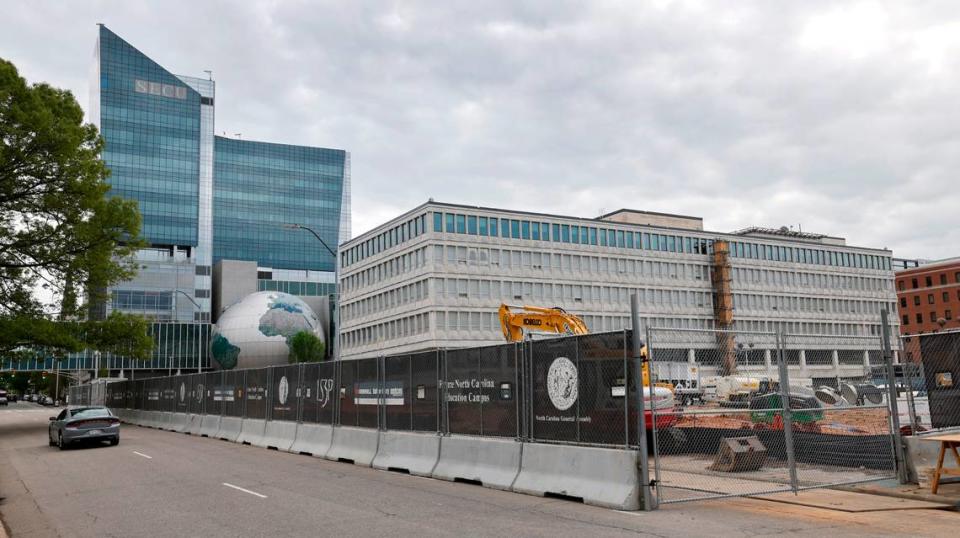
(580,389)
(398,406)
(360,393)
(319,395)
(213,400)
(555,389)
(195,394)
(425,374)
(480,391)
(231,393)
(154,388)
(256,388)
(284,392)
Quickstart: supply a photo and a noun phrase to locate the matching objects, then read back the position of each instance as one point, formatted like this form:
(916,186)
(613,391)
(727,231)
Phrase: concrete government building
(435,276)
(206,199)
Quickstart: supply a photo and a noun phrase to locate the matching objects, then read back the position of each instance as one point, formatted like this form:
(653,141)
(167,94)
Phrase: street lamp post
(199,309)
(336,281)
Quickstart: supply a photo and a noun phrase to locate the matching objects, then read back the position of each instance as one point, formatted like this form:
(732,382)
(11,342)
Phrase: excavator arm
(535,318)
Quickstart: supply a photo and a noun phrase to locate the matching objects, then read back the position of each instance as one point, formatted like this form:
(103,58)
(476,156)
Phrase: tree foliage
(306,347)
(60,231)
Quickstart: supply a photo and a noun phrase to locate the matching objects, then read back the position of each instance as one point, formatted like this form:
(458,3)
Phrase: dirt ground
(850,421)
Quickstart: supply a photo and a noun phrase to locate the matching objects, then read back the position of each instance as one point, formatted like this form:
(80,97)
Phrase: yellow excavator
(553,320)
(534,318)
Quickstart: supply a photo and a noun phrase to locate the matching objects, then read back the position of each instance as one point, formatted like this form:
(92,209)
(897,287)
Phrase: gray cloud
(839,118)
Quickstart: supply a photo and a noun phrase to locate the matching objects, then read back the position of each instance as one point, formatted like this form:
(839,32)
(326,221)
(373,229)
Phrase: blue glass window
(515,228)
(472,225)
(593,236)
(493,226)
(620,239)
(603,237)
(449,228)
(671,243)
(525,229)
(535,231)
(584,235)
(629,239)
(505,228)
(483,225)
(438,222)
(556,232)
(575,234)
(565,233)
(545,231)
(646,241)
(655,242)
(461,224)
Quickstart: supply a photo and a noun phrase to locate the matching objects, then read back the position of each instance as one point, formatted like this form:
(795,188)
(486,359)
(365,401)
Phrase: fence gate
(757,413)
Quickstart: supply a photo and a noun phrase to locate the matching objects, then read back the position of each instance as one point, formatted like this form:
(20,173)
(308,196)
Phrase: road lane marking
(143,455)
(245,490)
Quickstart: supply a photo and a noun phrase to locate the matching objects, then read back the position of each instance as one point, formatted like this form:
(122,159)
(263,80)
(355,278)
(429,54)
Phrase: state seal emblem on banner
(283,390)
(562,383)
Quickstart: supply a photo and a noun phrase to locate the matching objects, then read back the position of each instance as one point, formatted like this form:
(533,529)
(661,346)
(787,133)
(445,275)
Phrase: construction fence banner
(479,390)
(317,394)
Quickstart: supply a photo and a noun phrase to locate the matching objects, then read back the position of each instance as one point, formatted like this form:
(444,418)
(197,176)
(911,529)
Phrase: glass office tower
(159,145)
(260,186)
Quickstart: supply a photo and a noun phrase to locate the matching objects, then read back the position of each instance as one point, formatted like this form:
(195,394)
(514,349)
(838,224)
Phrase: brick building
(929,300)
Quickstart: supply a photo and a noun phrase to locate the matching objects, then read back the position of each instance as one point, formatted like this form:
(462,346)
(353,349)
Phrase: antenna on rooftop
(209,74)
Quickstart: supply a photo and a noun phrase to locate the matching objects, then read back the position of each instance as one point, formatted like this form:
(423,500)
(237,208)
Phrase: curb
(913,496)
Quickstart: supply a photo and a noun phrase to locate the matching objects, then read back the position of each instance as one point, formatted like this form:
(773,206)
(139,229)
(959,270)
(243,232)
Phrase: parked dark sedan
(92,423)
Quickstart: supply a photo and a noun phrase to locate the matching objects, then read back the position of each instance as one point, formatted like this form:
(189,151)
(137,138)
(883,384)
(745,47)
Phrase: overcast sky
(843,120)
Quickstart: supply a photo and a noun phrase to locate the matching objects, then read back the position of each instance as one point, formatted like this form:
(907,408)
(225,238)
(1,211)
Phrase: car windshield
(89,412)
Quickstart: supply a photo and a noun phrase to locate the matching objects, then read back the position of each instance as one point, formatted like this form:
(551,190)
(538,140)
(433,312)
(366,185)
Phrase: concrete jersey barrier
(251,431)
(358,445)
(600,476)
(279,434)
(313,439)
(194,421)
(494,463)
(178,422)
(230,428)
(209,425)
(413,452)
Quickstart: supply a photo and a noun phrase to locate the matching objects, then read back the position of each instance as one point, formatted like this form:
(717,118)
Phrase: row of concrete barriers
(599,476)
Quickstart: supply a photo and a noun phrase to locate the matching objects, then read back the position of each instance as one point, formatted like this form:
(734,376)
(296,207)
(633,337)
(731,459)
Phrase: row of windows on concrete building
(396,266)
(480,325)
(506,260)
(546,292)
(388,239)
(927,281)
(611,237)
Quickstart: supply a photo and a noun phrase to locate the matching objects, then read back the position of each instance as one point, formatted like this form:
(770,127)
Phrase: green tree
(60,232)
(306,347)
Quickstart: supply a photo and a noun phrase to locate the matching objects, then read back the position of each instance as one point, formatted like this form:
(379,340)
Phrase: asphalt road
(166,484)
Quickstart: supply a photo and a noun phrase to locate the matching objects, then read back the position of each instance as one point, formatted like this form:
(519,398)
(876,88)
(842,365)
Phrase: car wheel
(60,442)
(115,441)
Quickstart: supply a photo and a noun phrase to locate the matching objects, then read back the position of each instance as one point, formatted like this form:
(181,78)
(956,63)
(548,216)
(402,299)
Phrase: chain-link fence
(760,413)
(727,412)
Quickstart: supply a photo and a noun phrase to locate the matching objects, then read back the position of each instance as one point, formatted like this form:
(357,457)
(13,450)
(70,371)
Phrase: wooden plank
(952,437)
(846,501)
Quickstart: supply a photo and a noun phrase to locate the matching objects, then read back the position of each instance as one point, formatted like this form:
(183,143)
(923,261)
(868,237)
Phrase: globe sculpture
(257,331)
